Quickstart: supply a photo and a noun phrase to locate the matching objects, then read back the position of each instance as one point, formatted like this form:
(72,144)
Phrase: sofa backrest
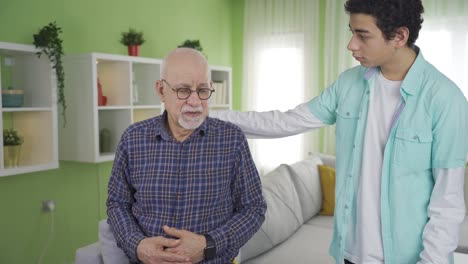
(293,196)
(307,184)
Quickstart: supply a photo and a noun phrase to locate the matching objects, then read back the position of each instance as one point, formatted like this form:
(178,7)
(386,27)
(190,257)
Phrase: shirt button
(350,175)
(367,92)
(346,206)
(347,113)
(354,145)
(415,137)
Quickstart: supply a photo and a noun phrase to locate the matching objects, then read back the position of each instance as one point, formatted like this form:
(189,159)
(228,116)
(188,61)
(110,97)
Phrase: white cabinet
(36,119)
(128,85)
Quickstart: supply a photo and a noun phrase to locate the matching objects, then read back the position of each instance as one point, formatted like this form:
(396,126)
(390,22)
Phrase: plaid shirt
(207,184)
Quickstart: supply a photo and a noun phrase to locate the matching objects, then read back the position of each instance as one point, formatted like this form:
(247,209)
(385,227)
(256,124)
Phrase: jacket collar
(412,80)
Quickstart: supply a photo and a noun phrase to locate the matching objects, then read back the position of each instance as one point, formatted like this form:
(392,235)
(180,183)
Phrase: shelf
(116,122)
(28,169)
(115,80)
(26,109)
(113,107)
(37,129)
(221,106)
(129,83)
(141,114)
(147,106)
(36,120)
(144,84)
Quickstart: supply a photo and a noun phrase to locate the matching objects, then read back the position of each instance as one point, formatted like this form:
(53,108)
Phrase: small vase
(102,100)
(11,156)
(134,50)
(105,140)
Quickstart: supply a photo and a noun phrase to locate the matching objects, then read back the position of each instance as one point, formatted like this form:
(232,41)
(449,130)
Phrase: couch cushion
(309,244)
(283,216)
(111,253)
(90,254)
(307,182)
(463,237)
(322,221)
(327,184)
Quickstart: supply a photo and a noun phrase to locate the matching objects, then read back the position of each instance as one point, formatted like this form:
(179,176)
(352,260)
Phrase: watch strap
(210,249)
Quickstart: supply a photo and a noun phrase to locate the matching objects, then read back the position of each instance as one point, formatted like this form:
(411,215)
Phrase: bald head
(184,69)
(184,59)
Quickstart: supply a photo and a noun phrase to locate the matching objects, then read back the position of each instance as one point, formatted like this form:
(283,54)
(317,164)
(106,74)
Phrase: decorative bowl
(12,98)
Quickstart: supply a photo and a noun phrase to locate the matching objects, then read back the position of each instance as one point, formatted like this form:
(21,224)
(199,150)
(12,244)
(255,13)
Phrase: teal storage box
(12,98)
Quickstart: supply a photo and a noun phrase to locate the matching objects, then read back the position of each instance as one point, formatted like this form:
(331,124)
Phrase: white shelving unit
(36,120)
(129,85)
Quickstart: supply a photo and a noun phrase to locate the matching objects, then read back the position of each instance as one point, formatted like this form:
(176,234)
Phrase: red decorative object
(102,100)
(133,50)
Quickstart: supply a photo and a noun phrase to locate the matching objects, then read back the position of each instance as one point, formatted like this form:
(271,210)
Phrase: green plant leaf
(193,44)
(132,37)
(49,42)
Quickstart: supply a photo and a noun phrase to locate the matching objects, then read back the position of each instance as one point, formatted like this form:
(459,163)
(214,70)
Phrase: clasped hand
(186,249)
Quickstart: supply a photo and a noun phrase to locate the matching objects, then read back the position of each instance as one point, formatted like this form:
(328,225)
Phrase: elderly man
(184,188)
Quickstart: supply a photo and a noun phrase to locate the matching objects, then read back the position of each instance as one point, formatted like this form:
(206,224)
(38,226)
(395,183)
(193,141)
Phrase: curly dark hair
(391,15)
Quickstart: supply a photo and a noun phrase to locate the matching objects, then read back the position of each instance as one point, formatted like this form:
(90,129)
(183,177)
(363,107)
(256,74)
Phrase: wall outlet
(9,61)
(48,205)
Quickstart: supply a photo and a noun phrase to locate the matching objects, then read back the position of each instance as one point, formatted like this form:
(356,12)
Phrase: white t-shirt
(364,239)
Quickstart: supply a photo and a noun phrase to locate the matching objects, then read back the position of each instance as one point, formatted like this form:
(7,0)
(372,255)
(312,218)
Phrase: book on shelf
(220,96)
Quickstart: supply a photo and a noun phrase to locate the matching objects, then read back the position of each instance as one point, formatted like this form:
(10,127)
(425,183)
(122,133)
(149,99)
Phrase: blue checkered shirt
(207,184)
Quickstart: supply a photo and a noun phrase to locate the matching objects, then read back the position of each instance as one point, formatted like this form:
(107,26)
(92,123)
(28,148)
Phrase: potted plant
(133,40)
(11,147)
(193,44)
(49,42)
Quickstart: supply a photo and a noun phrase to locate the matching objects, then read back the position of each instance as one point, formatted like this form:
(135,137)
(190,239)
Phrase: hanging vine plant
(49,42)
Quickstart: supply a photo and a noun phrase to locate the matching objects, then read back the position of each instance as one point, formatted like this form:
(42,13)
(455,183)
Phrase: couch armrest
(90,254)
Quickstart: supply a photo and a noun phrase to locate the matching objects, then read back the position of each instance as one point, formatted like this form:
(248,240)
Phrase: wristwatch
(210,249)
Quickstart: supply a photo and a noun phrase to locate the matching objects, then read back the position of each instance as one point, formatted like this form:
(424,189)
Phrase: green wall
(80,189)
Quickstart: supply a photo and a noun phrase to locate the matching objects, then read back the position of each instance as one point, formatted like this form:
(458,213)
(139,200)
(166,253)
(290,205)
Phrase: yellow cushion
(235,261)
(327,183)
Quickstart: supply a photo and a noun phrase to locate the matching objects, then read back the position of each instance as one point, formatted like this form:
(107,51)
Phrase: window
(280,86)
(445,45)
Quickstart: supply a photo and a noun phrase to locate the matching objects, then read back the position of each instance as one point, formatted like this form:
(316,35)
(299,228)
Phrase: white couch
(293,231)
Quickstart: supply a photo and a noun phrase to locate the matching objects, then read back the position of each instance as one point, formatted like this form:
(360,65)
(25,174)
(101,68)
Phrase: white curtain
(337,58)
(444,38)
(280,70)
(444,42)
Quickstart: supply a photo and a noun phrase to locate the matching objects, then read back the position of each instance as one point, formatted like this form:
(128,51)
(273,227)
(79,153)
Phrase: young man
(184,188)
(401,140)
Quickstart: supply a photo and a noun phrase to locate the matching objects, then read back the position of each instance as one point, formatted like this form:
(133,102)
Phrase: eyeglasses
(184,93)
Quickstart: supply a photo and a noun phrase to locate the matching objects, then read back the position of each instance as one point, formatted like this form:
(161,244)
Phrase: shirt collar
(412,79)
(161,131)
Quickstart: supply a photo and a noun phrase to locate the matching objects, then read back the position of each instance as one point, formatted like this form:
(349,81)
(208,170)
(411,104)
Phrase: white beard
(191,123)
